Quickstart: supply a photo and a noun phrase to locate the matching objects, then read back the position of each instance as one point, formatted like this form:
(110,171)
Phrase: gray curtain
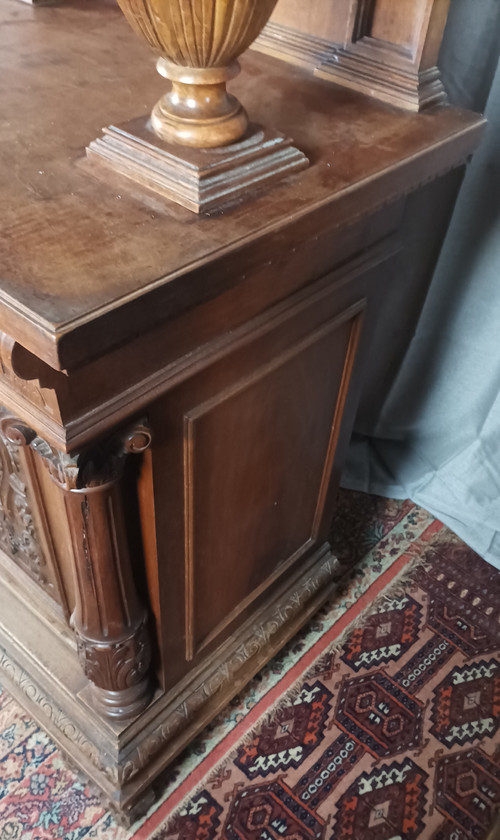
(429,422)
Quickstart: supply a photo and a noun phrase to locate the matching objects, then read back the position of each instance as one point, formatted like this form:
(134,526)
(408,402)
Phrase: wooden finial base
(198,179)
(198,111)
(413,90)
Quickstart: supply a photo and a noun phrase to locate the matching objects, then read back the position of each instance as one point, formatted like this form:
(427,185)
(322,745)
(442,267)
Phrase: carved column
(109,621)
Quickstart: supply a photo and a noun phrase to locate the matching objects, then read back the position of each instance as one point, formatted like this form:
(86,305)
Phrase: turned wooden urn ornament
(199,42)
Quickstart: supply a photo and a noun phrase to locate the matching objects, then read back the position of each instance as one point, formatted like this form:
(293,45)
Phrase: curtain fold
(434,436)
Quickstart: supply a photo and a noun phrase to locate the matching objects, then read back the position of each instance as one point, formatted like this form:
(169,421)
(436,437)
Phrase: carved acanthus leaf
(116,665)
(63,468)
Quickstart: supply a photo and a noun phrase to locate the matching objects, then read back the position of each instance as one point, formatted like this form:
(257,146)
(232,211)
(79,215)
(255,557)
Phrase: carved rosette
(109,621)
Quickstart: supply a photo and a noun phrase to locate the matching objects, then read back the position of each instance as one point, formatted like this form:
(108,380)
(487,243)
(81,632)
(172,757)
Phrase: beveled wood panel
(322,18)
(387,50)
(397,23)
(245,459)
(256,458)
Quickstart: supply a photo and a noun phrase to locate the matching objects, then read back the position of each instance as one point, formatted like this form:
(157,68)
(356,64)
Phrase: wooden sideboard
(179,390)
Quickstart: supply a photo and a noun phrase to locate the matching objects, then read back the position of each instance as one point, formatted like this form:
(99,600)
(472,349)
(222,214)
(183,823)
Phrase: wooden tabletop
(85,265)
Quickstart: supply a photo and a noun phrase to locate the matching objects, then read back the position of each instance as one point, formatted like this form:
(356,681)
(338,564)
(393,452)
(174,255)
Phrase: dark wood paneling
(322,18)
(255,455)
(243,457)
(398,23)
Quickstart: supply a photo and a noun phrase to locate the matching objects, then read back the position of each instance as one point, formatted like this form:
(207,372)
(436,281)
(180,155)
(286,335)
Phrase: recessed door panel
(242,459)
(255,455)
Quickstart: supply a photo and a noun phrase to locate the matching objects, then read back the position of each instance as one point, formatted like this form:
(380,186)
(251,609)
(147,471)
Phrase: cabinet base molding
(198,179)
(123,759)
(410,89)
(384,70)
(294,46)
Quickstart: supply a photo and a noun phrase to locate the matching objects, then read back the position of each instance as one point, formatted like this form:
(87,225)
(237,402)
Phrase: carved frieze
(226,672)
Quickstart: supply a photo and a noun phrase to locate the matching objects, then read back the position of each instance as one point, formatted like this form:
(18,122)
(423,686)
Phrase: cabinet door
(242,464)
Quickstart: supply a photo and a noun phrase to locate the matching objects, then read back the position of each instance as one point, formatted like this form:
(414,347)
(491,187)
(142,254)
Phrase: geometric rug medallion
(374,725)
(390,801)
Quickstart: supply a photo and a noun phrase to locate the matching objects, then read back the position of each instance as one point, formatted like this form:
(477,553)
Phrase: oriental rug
(379,720)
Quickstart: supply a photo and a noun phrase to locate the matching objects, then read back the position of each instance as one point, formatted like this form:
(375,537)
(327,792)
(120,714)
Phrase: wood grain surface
(86,266)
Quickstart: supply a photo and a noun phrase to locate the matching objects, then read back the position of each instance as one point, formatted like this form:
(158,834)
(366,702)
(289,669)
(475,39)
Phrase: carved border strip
(260,636)
(17,675)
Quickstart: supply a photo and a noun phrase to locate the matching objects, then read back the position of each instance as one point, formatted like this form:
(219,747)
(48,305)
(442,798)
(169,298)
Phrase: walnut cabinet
(178,391)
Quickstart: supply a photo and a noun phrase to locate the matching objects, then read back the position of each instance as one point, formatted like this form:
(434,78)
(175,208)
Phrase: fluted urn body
(199,42)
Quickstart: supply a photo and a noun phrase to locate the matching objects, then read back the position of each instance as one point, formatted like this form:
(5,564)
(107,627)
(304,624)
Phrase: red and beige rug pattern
(380,720)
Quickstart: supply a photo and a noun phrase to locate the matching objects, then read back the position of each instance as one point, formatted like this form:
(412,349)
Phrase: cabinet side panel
(255,456)
(243,455)
(246,455)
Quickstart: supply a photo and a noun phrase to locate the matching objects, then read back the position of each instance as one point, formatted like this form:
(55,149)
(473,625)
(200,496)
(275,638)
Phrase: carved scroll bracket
(31,378)
(109,621)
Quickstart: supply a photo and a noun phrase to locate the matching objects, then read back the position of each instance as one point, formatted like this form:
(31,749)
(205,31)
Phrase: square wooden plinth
(199,179)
